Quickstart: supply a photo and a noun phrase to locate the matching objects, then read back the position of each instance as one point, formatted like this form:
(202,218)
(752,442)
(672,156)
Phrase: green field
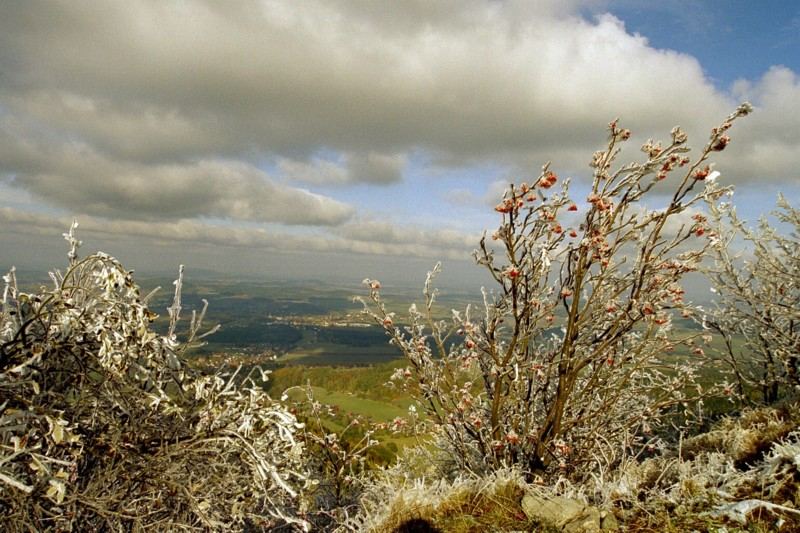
(337,354)
(351,405)
(352,393)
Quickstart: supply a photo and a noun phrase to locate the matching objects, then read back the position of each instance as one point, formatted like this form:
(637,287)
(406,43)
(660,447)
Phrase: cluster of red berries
(676,292)
(619,134)
(516,202)
(700,224)
(677,267)
(547,180)
(602,250)
(721,140)
(670,164)
(602,204)
(702,173)
(508,205)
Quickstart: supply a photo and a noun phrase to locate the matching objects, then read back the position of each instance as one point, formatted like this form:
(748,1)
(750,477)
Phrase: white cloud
(146,110)
(392,234)
(471,79)
(372,167)
(494,192)
(519,82)
(317,171)
(767,145)
(461,197)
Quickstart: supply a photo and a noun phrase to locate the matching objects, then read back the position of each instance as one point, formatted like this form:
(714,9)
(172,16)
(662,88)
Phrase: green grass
(365,381)
(354,392)
(348,403)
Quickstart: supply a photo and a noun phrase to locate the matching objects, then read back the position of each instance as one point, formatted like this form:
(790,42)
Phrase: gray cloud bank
(150,111)
(368,239)
(74,175)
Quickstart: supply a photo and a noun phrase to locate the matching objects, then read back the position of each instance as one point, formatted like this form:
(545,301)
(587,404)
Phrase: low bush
(758,302)
(104,427)
(567,369)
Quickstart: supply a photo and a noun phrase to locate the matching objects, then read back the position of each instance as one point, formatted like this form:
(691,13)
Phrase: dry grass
(492,503)
(747,437)
(752,458)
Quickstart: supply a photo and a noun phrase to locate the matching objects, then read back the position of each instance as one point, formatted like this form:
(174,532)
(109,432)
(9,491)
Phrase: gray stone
(608,522)
(569,516)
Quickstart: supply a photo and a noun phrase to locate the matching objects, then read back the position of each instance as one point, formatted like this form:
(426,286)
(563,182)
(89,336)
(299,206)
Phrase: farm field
(350,405)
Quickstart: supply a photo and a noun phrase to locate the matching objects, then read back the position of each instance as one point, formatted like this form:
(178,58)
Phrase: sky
(334,139)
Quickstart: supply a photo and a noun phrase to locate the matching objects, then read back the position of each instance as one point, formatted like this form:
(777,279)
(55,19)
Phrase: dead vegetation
(103,427)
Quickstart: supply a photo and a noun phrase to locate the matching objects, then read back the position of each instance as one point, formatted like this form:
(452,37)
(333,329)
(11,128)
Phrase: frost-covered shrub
(338,459)
(744,472)
(758,312)
(103,427)
(567,369)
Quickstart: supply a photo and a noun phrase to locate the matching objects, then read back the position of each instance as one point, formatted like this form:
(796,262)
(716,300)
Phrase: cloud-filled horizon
(357,128)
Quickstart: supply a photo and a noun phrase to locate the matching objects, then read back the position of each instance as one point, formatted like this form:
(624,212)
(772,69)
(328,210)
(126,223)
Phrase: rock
(569,516)
(608,522)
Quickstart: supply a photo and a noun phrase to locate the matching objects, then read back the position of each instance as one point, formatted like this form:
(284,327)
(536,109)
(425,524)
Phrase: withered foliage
(103,426)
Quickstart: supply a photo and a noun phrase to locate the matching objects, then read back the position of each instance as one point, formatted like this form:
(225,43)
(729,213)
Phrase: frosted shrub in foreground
(103,427)
(567,369)
(759,301)
(338,461)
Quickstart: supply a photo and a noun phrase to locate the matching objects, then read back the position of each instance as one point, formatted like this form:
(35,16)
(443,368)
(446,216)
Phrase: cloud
(461,197)
(75,176)
(391,234)
(318,172)
(767,145)
(372,168)
(518,82)
(467,79)
(153,112)
(363,238)
(380,169)
(494,192)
